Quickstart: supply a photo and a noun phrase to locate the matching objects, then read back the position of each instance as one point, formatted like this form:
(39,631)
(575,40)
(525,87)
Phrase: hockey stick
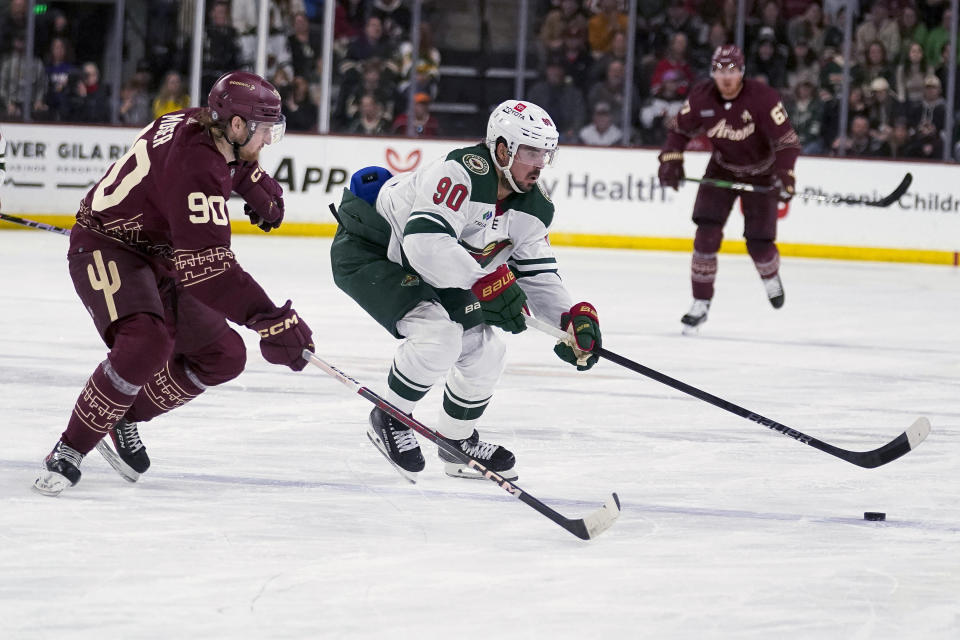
(586,528)
(886,201)
(902,444)
(34,225)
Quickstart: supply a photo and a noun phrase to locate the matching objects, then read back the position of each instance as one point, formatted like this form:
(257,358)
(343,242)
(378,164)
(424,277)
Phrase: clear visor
(725,69)
(272,131)
(539,158)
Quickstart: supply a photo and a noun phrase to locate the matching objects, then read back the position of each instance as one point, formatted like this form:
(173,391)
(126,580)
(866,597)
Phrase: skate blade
(50,483)
(115,461)
(687,330)
(409,476)
(457,470)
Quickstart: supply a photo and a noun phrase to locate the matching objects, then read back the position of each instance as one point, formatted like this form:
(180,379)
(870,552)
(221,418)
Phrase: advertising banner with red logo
(602,192)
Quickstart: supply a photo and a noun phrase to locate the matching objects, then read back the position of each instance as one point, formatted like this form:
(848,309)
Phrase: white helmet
(522,123)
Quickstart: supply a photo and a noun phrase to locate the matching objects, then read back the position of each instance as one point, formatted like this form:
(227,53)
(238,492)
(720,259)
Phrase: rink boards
(605,197)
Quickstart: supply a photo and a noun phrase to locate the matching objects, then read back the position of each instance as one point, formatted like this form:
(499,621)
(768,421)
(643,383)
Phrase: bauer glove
(283,336)
(263,196)
(582,324)
(501,299)
(671,169)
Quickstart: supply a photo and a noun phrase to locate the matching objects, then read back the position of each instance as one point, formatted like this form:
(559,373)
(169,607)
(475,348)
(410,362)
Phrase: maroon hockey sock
(765,257)
(703,273)
(172,386)
(103,401)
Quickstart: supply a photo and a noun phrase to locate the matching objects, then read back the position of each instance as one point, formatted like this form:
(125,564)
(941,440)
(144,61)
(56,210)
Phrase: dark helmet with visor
(245,94)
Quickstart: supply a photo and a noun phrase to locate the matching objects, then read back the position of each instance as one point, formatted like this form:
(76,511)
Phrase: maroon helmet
(245,94)
(725,57)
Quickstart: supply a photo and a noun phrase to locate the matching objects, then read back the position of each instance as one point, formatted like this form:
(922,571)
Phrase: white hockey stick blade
(603,518)
(917,432)
(114,461)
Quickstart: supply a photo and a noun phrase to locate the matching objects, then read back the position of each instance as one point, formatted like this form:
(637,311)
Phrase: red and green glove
(501,299)
(582,324)
(263,196)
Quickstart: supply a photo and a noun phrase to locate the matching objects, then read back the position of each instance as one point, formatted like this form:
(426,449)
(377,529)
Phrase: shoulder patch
(543,192)
(476,164)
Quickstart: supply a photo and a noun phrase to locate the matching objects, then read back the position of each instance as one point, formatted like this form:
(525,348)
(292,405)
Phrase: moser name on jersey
(165,131)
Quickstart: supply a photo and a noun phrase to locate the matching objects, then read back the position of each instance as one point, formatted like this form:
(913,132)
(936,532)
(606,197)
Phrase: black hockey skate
(695,317)
(396,442)
(128,456)
(61,469)
(492,456)
(774,290)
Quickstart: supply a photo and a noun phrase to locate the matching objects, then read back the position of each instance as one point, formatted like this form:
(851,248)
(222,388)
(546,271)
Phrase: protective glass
(276,129)
(539,158)
(725,69)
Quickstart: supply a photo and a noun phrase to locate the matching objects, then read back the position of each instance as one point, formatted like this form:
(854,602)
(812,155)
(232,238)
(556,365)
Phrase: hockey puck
(874,515)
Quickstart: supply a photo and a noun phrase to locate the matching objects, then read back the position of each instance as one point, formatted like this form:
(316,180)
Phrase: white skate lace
(69,454)
(480,451)
(699,308)
(405,439)
(131,437)
(773,287)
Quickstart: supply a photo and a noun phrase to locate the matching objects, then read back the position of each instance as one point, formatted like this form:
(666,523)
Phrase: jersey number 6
(454,196)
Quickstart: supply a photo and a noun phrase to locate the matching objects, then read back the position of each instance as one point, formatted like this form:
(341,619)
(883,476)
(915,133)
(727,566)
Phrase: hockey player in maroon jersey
(151,261)
(753,142)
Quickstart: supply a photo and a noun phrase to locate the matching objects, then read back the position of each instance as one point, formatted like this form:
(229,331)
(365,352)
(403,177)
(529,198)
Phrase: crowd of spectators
(376,70)
(898,73)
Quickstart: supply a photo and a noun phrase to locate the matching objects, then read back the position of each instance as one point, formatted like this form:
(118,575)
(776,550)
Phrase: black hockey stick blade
(895,195)
(585,528)
(899,446)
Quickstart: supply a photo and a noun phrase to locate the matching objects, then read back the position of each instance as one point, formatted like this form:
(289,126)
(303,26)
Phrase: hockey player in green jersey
(441,256)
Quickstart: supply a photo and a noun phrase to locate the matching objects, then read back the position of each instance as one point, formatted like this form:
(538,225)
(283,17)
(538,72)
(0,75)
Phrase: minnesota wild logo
(485,255)
(410,281)
(475,163)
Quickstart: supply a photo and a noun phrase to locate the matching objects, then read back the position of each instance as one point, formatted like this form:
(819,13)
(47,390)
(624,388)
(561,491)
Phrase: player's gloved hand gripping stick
(262,194)
(899,446)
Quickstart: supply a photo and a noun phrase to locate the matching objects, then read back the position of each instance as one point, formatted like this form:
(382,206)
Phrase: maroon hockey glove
(501,300)
(786,182)
(263,196)
(582,323)
(671,169)
(283,336)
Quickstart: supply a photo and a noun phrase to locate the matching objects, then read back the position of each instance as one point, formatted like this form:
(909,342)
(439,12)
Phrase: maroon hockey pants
(711,211)
(166,347)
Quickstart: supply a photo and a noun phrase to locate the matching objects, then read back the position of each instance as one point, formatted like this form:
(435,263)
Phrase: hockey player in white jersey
(445,254)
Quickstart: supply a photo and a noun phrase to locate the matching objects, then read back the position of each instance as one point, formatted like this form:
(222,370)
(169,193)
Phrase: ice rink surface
(268,514)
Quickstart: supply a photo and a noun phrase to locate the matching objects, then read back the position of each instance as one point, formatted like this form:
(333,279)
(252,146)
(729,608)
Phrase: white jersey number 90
(207,208)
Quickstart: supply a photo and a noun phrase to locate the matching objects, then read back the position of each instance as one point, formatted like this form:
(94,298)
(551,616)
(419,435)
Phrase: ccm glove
(283,336)
(263,196)
(786,182)
(671,169)
(501,300)
(582,324)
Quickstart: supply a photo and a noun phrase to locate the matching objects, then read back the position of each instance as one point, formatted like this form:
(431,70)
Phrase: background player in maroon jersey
(151,261)
(753,142)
